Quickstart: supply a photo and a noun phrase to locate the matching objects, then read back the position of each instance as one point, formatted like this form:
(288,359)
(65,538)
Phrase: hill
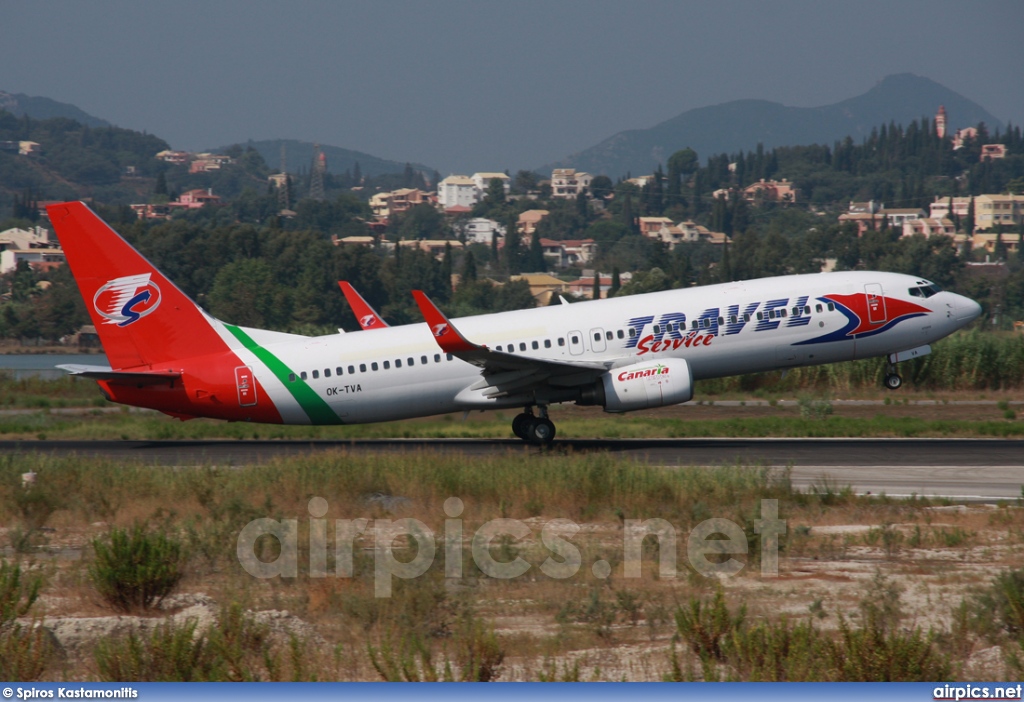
(339,160)
(742,124)
(45,108)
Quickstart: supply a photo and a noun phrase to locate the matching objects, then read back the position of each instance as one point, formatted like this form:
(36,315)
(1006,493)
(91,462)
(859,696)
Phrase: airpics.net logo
(126,300)
(709,547)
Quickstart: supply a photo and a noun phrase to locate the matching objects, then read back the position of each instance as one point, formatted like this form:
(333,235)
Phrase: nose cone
(967,310)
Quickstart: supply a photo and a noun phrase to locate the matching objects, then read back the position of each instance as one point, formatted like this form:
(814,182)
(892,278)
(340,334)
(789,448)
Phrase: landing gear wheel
(541,432)
(893,381)
(521,423)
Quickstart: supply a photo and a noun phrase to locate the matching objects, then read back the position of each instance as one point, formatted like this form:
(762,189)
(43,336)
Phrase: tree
(495,191)
(421,222)
(595,290)
(601,187)
(616,285)
(468,268)
(536,262)
(513,256)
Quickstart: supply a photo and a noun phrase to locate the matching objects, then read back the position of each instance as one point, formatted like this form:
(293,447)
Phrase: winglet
(367,316)
(445,334)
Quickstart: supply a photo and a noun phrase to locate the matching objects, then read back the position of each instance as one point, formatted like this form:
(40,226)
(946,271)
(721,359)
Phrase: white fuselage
(400,372)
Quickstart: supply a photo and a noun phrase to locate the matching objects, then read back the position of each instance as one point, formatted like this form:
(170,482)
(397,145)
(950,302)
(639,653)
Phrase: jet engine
(643,385)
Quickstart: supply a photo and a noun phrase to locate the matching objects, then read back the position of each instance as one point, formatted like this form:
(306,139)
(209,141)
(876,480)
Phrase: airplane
(365,315)
(622,354)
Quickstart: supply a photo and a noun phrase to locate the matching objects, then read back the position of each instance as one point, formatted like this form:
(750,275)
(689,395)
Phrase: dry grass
(583,627)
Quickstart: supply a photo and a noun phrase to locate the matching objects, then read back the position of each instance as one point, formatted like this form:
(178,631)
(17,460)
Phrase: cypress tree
(468,267)
(616,282)
(595,291)
(537,263)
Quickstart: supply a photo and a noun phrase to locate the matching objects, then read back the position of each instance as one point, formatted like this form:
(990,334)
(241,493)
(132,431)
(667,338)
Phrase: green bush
(172,653)
(17,594)
(778,650)
(135,569)
(999,608)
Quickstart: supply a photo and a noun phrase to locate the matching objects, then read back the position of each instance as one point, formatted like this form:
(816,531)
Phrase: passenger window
(316,374)
(694,324)
(351,370)
(535,345)
(547,343)
(448,356)
(362,367)
(575,340)
(398,363)
(782,313)
(423,360)
(437,358)
(327,372)
(732,319)
(795,311)
(411,361)
(498,347)
(302,375)
(561,341)
(760,316)
(373,366)
(721,321)
(746,317)
(609,336)
(807,309)
(831,307)
(387,365)
(291,377)
(817,308)
(657,328)
(620,334)
(522,346)
(705,322)
(597,336)
(632,332)
(341,371)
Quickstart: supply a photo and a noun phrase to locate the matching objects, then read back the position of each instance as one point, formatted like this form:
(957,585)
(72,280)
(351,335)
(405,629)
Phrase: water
(42,365)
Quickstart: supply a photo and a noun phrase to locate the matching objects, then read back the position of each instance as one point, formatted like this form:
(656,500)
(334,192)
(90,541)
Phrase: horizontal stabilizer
(126,377)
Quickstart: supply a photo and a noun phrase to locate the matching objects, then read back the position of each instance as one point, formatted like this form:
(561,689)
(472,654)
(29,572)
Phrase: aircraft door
(876,303)
(575,342)
(246,386)
(597,342)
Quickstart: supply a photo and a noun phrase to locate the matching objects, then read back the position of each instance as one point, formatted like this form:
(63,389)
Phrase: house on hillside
(568,182)
(771,191)
(456,190)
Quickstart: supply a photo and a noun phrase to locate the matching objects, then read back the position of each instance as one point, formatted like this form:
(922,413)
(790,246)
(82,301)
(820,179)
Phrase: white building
(456,191)
(17,238)
(480,229)
(482,181)
(567,182)
(36,258)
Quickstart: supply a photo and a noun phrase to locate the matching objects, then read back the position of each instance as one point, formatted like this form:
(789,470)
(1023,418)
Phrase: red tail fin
(142,318)
(366,315)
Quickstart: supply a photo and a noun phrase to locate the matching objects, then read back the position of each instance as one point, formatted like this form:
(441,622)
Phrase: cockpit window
(925,290)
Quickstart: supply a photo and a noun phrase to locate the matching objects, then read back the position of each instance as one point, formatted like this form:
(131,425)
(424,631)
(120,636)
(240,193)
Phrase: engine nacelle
(644,385)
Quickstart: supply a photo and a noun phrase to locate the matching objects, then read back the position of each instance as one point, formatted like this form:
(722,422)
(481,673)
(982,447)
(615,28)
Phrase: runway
(965,469)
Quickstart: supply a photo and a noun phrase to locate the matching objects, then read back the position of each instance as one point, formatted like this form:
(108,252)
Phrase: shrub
(135,569)
(172,653)
(17,595)
(999,608)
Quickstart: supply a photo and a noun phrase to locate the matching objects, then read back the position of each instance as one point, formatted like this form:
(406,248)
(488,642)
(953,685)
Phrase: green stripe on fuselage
(315,407)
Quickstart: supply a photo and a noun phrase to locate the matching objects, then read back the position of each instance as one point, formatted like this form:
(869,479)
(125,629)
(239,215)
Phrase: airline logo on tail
(367,321)
(440,329)
(126,300)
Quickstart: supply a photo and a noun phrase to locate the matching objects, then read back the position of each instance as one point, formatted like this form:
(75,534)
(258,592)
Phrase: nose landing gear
(893,381)
(539,431)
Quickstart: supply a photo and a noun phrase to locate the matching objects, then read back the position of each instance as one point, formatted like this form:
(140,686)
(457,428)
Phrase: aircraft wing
(366,315)
(505,373)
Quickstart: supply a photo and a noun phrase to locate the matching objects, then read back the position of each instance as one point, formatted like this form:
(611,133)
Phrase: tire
(893,381)
(521,424)
(541,432)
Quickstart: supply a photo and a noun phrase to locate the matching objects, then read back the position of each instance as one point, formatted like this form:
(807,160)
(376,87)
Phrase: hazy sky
(481,86)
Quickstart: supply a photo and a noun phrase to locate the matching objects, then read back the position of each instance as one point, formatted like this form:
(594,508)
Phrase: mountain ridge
(738,125)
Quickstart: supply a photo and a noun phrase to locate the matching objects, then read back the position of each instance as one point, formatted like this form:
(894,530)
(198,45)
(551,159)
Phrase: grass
(824,618)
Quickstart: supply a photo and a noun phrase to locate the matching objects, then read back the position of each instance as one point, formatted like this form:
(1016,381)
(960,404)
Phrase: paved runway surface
(973,469)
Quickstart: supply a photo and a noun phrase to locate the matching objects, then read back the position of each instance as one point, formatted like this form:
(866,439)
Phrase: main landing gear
(539,431)
(893,381)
